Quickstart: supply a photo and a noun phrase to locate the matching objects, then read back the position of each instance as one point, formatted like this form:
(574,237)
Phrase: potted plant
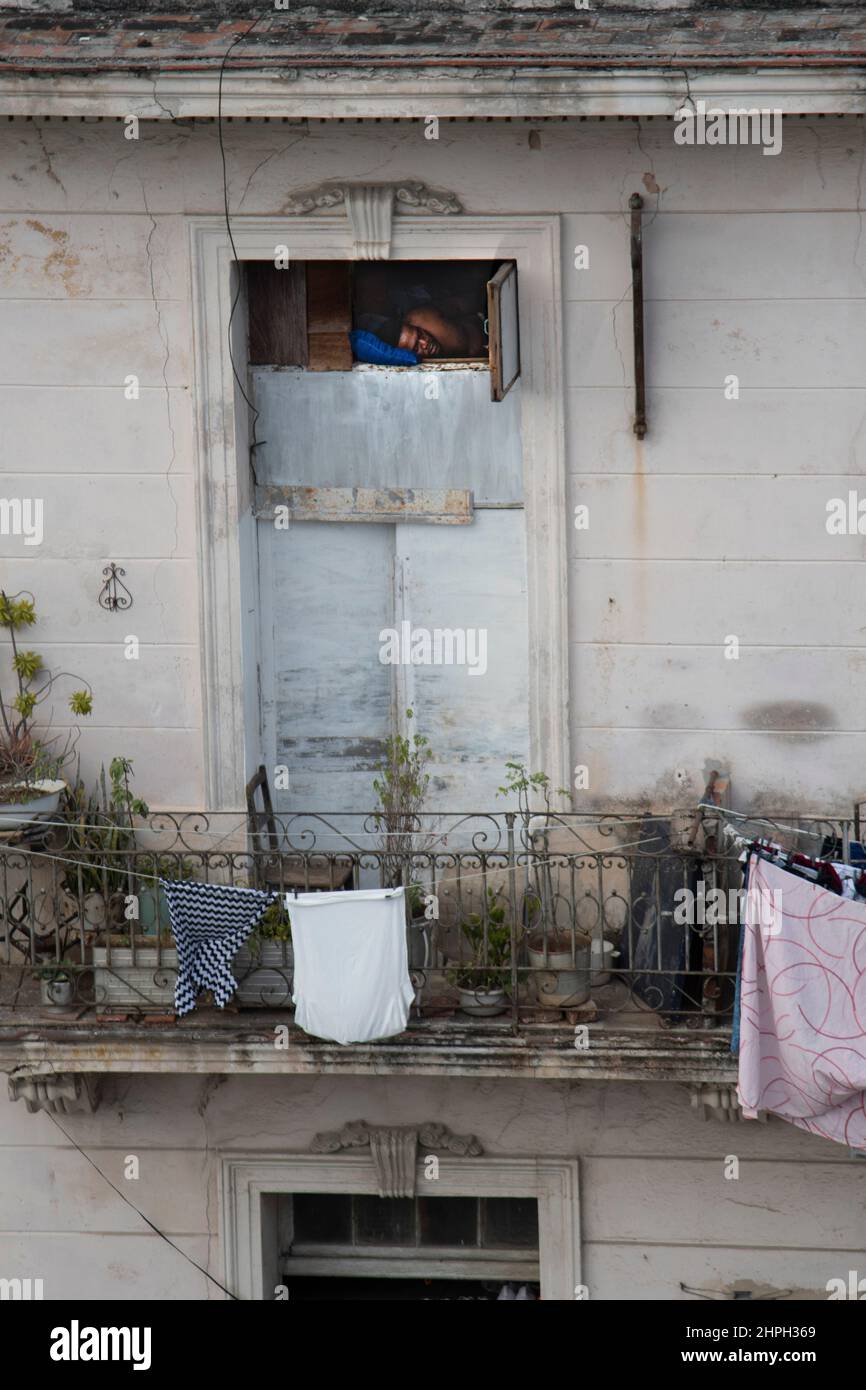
(527,787)
(400,786)
(99,852)
(482,986)
(154,917)
(420,927)
(561,964)
(57,983)
(129,975)
(30,767)
(264,965)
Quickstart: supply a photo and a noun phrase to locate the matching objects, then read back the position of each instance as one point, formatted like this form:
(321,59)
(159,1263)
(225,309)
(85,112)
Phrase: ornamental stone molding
(394,1149)
(57,1094)
(717,1102)
(370,208)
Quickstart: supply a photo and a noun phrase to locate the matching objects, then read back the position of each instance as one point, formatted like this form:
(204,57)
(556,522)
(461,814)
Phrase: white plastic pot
(44,802)
(604,959)
(482,1003)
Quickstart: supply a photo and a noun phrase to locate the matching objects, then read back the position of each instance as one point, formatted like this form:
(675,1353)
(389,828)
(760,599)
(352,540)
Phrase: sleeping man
(432,332)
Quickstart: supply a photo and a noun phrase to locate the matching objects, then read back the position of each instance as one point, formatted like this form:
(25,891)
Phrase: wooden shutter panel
(503,330)
(277,311)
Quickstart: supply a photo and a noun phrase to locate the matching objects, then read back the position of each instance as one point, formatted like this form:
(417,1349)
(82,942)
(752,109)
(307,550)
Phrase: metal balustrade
(512,920)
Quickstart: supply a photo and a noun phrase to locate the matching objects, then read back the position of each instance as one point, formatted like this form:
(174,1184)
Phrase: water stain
(802,719)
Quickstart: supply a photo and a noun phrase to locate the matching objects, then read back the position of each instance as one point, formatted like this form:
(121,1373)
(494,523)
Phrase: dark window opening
(333,315)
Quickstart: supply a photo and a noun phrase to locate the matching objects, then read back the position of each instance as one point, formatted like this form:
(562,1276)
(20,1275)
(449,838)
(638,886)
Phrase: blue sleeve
(368,348)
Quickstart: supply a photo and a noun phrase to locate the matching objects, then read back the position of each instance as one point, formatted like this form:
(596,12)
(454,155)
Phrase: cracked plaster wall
(656,1209)
(714,526)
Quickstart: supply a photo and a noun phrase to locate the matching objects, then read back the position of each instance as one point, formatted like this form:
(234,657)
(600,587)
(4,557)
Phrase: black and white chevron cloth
(210,922)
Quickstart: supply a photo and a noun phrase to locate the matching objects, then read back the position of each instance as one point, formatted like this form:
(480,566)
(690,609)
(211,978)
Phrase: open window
(336,315)
(337,1247)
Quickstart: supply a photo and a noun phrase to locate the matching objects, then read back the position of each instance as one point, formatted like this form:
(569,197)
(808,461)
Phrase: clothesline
(725,814)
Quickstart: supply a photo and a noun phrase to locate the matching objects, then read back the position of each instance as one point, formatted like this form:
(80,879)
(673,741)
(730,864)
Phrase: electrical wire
(138,1212)
(242,388)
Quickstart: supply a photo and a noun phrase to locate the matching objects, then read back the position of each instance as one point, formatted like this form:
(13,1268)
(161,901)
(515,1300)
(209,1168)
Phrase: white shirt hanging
(351,980)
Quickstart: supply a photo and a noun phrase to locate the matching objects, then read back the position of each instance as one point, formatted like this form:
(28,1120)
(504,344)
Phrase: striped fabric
(210,921)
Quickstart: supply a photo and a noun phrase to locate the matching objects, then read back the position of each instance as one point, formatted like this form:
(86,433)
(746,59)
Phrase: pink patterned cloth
(803,1005)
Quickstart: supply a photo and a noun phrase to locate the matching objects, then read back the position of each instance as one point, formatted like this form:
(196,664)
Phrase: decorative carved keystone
(59,1094)
(370,208)
(394,1149)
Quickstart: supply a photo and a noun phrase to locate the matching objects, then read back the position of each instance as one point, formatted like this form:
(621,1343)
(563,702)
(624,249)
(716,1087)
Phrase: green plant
(489,936)
(101,835)
(401,787)
(416,895)
(523,784)
(56,970)
(274,924)
(24,758)
(125,935)
(150,867)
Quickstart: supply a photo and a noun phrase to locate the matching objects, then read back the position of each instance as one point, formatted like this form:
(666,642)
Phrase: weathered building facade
(657,609)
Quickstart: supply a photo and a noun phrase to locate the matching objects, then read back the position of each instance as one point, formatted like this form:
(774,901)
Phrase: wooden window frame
(250,1230)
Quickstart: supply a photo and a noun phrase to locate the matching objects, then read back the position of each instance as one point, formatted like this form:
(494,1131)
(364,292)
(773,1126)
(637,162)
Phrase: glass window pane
(322,1219)
(384,1220)
(510,1223)
(448,1221)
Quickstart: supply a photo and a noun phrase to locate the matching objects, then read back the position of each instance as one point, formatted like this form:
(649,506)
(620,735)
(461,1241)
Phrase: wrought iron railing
(632,919)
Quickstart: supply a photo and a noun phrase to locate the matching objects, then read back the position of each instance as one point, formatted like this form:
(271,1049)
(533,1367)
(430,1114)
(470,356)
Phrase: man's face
(429,333)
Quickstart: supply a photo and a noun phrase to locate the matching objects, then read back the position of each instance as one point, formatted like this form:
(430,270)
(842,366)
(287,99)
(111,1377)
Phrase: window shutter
(503,330)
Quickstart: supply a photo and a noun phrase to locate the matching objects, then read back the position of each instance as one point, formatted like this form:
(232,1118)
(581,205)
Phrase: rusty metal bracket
(635,202)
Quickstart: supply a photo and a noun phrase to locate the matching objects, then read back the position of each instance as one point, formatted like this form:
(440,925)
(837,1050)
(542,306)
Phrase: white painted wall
(657,1210)
(714,526)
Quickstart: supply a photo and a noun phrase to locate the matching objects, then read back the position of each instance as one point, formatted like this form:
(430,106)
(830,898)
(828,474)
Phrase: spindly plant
(401,787)
(24,757)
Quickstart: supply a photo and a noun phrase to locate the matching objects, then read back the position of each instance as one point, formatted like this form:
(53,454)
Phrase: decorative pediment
(370,208)
(394,1149)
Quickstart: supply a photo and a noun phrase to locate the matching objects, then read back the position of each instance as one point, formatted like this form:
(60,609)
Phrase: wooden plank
(328,296)
(329,316)
(449,507)
(329,352)
(277,311)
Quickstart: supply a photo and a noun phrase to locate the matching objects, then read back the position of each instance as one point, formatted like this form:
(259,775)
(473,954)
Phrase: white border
(223,488)
(245,1179)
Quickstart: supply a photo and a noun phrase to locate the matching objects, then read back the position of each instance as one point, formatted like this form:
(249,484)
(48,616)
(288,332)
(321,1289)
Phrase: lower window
(359,1247)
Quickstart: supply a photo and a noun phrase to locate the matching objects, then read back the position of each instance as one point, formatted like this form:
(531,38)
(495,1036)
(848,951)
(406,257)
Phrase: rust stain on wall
(60,263)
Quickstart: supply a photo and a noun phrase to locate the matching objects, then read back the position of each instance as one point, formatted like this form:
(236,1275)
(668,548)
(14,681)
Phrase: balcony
(562,947)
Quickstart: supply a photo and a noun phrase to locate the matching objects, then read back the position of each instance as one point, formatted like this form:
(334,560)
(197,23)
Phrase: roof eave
(417,93)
